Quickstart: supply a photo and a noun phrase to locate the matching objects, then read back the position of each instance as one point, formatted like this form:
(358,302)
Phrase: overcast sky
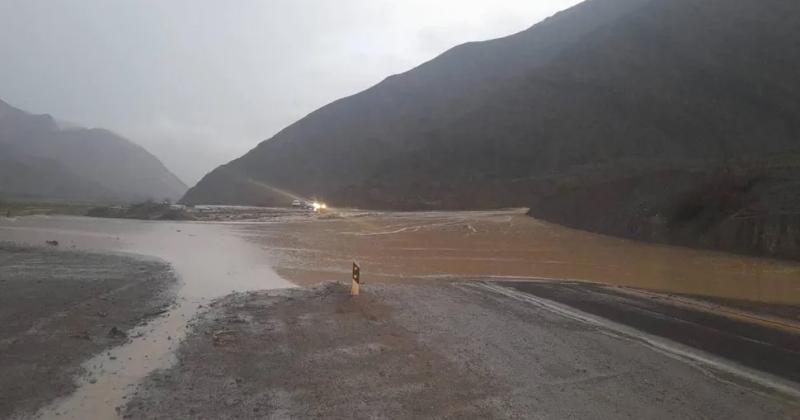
(199,83)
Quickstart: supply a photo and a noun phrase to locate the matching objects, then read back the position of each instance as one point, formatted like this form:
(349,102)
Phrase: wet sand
(432,349)
(56,311)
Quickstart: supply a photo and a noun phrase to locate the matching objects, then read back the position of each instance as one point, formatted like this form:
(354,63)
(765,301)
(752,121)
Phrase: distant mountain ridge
(607,80)
(40,160)
(602,98)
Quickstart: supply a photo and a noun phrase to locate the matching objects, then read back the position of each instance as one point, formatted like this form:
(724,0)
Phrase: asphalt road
(772,350)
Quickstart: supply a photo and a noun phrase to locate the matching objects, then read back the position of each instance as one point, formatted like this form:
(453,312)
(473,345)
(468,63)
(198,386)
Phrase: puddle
(211,260)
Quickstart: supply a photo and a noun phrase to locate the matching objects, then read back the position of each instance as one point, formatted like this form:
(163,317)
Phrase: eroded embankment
(59,308)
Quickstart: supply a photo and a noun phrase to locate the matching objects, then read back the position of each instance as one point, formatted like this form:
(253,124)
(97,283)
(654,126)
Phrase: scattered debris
(156,313)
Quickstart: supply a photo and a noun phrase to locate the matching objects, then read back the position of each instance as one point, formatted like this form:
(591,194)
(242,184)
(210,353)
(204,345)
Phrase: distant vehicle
(319,207)
(310,205)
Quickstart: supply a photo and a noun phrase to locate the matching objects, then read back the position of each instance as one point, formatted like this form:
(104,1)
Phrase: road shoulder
(427,349)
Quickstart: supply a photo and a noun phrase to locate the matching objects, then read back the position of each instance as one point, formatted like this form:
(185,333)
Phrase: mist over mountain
(41,160)
(606,92)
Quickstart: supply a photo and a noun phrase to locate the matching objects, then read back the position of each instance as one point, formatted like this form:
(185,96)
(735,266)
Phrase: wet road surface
(772,349)
(436,349)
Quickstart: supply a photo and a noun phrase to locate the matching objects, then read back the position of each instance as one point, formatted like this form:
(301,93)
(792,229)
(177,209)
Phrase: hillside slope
(606,91)
(39,160)
(606,80)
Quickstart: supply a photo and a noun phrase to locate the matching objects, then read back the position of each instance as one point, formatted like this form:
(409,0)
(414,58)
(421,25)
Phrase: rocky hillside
(40,160)
(746,206)
(610,90)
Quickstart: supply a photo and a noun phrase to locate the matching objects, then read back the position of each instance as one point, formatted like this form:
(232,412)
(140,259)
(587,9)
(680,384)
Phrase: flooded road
(210,261)
(215,259)
(391,246)
(221,257)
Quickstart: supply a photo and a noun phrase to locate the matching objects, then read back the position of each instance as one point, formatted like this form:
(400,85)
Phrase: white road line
(660,344)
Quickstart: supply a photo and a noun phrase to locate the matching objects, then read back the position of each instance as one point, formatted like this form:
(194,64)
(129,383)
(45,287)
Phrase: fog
(199,83)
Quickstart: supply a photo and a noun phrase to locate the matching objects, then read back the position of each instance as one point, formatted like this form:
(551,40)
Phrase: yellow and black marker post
(356,279)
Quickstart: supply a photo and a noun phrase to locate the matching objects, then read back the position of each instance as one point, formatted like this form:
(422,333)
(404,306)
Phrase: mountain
(40,160)
(608,97)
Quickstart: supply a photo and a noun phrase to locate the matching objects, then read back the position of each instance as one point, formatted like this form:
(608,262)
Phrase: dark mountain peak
(604,86)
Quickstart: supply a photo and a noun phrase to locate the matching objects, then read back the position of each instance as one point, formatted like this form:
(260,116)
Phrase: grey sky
(199,83)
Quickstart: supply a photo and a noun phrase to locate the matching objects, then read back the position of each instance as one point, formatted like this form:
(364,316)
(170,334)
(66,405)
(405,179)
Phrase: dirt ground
(57,309)
(428,349)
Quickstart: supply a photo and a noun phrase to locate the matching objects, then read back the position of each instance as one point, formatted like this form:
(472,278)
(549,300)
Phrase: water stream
(211,260)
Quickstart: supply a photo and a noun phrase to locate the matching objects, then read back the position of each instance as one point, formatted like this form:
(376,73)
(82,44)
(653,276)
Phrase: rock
(115,332)
(156,313)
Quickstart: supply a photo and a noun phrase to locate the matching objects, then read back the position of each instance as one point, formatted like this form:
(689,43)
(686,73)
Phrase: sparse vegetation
(26,208)
(147,210)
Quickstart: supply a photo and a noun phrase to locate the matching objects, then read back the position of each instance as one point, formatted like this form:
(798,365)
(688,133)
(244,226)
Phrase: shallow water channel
(210,260)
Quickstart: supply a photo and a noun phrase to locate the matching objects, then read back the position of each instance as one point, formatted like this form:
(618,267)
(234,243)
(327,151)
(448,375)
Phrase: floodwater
(214,259)
(508,243)
(210,261)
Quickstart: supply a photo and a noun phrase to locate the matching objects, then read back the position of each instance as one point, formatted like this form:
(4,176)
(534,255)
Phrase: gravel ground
(57,309)
(428,350)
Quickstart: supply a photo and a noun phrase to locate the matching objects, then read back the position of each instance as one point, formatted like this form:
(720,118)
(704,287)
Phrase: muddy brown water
(214,259)
(391,246)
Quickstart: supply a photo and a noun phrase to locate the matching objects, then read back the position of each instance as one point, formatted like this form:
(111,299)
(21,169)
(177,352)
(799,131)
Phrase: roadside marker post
(356,281)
